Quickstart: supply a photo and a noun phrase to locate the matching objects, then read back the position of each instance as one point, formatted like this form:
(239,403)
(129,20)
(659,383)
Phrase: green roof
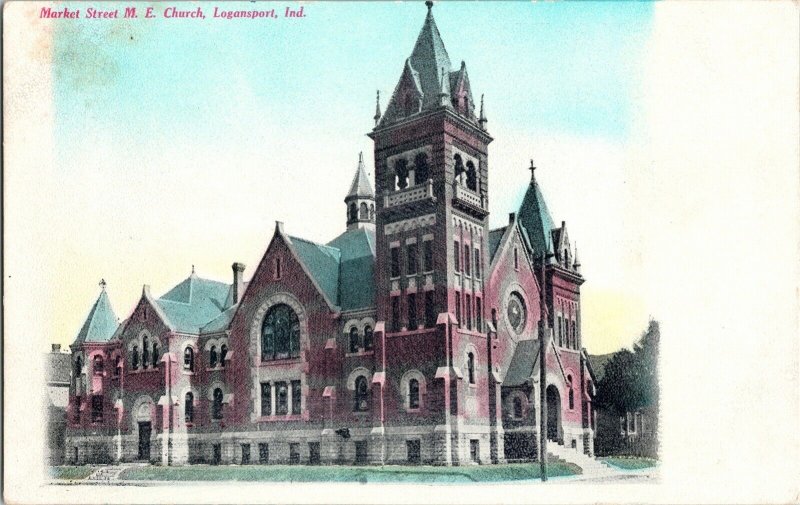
(322,262)
(357,274)
(100,324)
(193,303)
(221,322)
(535,220)
(495,236)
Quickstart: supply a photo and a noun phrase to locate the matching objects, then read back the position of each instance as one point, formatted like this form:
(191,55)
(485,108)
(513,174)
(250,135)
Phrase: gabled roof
(221,322)
(322,263)
(523,363)
(535,220)
(100,324)
(495,236)
(357,268)
(193,303)
(361,187)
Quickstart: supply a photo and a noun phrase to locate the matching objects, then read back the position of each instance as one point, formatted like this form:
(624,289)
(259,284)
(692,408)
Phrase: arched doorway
(143,417)
(553,414)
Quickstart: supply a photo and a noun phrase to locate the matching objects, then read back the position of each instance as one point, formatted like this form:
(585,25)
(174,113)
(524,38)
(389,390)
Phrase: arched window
(352,213)
(354,339)
(155,354)
(212,357)
(135,357)
(413,394)
(363,211)
(223,352)
(97,365)
(188,408)
(571,393)
(188,359)
(421,169)
(117,366)
(367,337)
(401,171)
(216,410)
(280,334)
(517,407)
(471,367)
(459,168)
(472,177)
(145,352)
(361,403)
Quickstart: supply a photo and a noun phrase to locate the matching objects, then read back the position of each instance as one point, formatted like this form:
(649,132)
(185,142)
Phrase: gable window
(413,394)
(467,261)
(216,406)
(430,310)
(516,259)
(411,268)
(97,365)
(188,408)
(456,256)
(395,313)
(427,255)
(395,261)
(188,359)
(266,399)
(135,357)
(368,338)
(421,169)
(478,314)
(212,357)
(477,263)
(361,403)
(280,334)
(412,311)
(97,409)
(277,268)
(155,355)
(354,339)
(471,367)
(145,352)
(282,393)
(517,407)
(297,397)
(223,353)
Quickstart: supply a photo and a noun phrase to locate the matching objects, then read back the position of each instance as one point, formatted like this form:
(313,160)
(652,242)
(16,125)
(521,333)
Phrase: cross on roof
(532,168)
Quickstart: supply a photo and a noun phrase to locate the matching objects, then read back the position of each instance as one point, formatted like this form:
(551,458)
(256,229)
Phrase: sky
(180,142)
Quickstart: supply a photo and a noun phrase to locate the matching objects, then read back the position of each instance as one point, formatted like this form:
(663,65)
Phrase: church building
(412,337)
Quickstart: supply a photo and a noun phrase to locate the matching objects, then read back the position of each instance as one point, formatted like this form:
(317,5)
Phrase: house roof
(193,303)
(535,220)
(221,322)
(322,262)
(100,324)
(523,363)
(357,282)
(361,187)
(495,237)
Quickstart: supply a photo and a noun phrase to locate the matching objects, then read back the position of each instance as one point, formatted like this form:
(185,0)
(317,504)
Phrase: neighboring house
(412,337)
(58,380)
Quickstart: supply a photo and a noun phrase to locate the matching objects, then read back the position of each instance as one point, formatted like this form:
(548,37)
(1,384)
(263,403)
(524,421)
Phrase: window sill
(417,410)
(215,369)
(280,418)
(280,361)
(360,353)
(143,370)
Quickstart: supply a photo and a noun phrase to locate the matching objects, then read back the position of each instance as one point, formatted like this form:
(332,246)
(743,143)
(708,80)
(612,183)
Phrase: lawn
(70,472)
(630,462)
(284,473)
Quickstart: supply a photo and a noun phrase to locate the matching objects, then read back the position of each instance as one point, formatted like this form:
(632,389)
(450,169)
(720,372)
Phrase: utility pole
(543,370)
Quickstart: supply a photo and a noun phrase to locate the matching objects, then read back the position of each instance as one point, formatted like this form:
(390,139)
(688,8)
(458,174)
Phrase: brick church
(411,337)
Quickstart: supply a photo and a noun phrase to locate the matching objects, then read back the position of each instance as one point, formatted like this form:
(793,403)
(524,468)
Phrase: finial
(377,116)
(482,119)
(361,157)
(103,284)
(192,269)
(532,168)
(429,4)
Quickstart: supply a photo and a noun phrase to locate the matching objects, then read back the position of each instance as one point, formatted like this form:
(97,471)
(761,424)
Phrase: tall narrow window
(516,259)
(517,407)
(456,256)
(297,397)
(223,353)
(571,392)
(97,409)
(280,334)
(411,267)
(117,366)
(459,168)
(458,308)
(468,307)
(412,311)
(467,261)
(471,367)
(472,177)
(401,171)
(216,406)
(413,394)
(188,408)
(277,268)
(282,393)
(155,354)
(212,357)
(354,339)
(135,357)
(477,263)
(368,338)
(430,310)
(427,254)
(361,403)
(145,353)
(188,359)
(396,313)
(266,399)
(395,261)
(421,170)
(77,412)
(97,365)
(363,211)
(352,212)
(558,329)
(478,314)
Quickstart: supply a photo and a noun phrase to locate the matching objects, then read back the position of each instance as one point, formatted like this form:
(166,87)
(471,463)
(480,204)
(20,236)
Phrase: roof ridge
(315,243)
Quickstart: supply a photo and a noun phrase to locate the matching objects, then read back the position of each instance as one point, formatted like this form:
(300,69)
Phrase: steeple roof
(100,324)
(534,218)
(429,58)
(361,186)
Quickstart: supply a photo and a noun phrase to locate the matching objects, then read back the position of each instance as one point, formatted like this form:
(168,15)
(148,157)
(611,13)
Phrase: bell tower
(431,177)
(360,200)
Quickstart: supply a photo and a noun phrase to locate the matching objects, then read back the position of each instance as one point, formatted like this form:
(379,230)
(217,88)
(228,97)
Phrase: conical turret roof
(361,186)
(534,217)
(100,324)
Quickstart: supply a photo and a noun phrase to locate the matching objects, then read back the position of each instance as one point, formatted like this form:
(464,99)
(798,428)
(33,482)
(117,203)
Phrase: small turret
(360,200)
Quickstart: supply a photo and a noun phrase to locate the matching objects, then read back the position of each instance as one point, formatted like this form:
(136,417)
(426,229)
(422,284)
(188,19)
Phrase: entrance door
(144,441)
(553,414)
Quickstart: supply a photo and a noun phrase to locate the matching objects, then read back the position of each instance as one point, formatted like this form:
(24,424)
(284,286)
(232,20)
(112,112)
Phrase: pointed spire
(101,323)
(482,119)
(444,89)
(361,186)
(576,264)
(535,218)
(377,116)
